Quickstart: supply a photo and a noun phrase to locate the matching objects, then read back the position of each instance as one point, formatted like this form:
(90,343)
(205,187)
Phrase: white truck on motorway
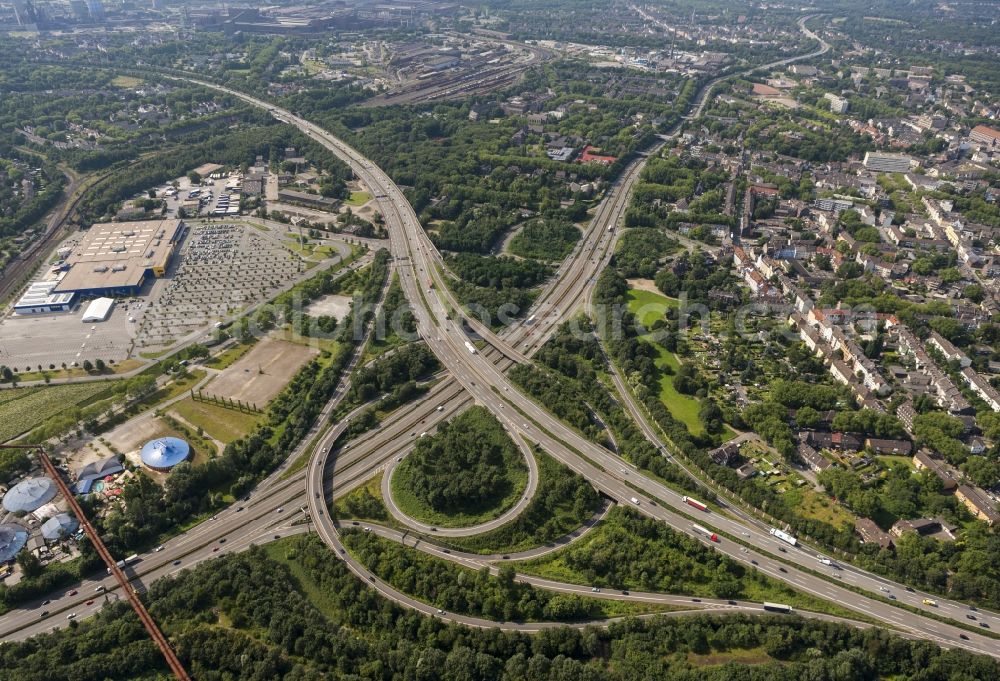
(471,348)
(783,536)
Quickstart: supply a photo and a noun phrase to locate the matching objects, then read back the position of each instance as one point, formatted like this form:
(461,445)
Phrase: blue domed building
(30,494)
(164,453)
(13,537)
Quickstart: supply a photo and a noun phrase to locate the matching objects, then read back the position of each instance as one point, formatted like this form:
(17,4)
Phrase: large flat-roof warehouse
(116,258)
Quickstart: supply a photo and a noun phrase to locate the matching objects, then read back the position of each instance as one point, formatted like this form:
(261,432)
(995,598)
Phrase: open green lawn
(649,306)
(230,355)
(225,425)
(890,460)
(358,199)
(682,407)
(412,506)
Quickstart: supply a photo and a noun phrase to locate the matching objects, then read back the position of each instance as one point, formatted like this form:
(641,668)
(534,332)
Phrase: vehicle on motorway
(44,613)
(928,601)
(177,562)
(691,501)
(215,550)
(970,617)
(46,601)
(984,625)
(73,592)
(705,532)
(440,408)
(470,347)
(71,616)
(963,637)
(595,590)
(99,588)
(777,607)
(635,501)
(783,536)
(826,561)
(781,568)
(90,602)
(280,510)
(134,558)
(158,549)
(222,541)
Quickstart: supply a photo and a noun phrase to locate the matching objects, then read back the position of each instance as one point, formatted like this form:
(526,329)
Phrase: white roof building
(98,310)
(39,298)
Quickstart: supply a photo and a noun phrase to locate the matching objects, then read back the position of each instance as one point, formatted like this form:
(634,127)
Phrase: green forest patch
(563,502)
(469,472)
(545,239)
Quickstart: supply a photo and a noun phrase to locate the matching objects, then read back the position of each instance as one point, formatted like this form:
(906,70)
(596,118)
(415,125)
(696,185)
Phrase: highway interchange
(480,377)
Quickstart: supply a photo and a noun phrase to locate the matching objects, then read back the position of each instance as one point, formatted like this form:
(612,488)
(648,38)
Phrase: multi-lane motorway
(478,376)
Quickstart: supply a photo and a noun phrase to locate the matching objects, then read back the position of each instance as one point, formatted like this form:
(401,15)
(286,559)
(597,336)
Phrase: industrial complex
(115,258)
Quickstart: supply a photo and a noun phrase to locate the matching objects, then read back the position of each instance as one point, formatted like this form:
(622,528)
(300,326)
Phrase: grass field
(811,504)
(119,368)
(225,425)
(682,407)
(358,199)
(126,81)
(22,409)
(412,506)
(230,355)
(649,306)
(283,551)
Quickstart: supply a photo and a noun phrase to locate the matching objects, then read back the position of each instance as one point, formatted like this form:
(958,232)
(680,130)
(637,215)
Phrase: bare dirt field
(644,285)
(261,373)
(133,434)
(333,305)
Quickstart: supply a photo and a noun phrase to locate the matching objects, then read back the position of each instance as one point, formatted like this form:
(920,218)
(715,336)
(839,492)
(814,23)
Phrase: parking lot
(221,269)
(61,338)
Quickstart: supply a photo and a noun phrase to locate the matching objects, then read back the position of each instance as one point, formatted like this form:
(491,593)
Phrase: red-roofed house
(589,156)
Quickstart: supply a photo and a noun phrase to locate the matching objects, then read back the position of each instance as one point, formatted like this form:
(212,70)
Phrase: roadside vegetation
(475,592)
(545,239)
(291,610)
(629,551)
